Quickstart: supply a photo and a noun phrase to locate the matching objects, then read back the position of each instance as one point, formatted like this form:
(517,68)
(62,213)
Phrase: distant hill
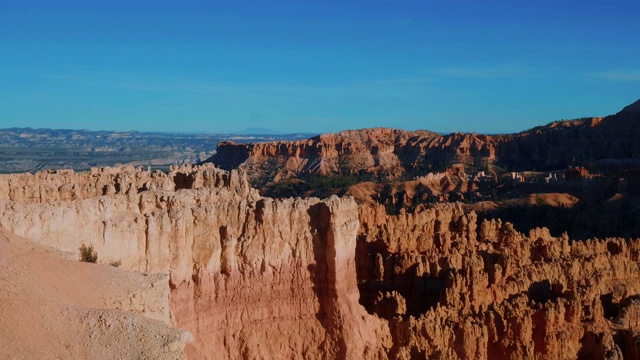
(27,150)
(257,131)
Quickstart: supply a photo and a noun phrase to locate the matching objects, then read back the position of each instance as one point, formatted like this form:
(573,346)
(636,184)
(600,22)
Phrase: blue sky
(315,66)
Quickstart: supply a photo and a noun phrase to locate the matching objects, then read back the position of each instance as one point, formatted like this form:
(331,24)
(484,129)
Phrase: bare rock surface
(597,142)
(249,276)
(490,292)
(254,277)
(52,308)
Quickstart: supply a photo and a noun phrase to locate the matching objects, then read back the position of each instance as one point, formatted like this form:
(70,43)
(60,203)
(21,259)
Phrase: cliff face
(127,214)
(277,279)
(253,277)
(249,277)
(389,153)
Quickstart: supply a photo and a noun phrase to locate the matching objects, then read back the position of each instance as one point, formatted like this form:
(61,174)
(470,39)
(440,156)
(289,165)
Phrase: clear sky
(315,66)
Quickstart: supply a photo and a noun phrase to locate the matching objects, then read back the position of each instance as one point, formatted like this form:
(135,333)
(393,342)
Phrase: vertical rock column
(354,333)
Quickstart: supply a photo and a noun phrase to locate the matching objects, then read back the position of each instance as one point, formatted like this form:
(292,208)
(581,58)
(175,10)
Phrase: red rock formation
(379,151)
(390,153)
(249,277)
(575,173)
(257,277)
(495,293)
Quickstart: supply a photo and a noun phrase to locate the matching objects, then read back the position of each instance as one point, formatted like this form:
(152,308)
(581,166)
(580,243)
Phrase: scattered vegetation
(315,181)
(268,171)
(320,185)
(88,254)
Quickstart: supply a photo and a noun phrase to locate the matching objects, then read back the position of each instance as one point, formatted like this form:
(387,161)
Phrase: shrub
(87,254)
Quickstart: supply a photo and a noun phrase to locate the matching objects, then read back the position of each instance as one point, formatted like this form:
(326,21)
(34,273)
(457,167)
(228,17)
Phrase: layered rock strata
(602,144)
(253,277)
(249,276)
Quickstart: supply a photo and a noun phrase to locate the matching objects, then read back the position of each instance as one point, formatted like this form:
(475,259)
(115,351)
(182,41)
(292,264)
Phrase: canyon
(247,276)
(577,176)
(366,244)
(254,277)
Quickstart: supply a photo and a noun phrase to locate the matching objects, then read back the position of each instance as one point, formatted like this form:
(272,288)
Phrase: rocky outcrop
(125,213)
(254,277)
(377,152)
(491,292)
(278,280)
(249,276)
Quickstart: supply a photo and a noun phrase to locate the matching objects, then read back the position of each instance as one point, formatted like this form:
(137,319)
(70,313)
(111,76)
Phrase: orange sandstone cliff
(254,277)
(611,143)
(452,289)
(249,276)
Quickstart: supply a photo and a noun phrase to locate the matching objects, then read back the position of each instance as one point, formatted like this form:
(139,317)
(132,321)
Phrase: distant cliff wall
(611,143)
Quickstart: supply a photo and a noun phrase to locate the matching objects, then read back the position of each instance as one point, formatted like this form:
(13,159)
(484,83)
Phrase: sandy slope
(52,308)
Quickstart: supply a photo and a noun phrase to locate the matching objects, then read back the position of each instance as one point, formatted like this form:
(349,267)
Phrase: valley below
(31,150)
